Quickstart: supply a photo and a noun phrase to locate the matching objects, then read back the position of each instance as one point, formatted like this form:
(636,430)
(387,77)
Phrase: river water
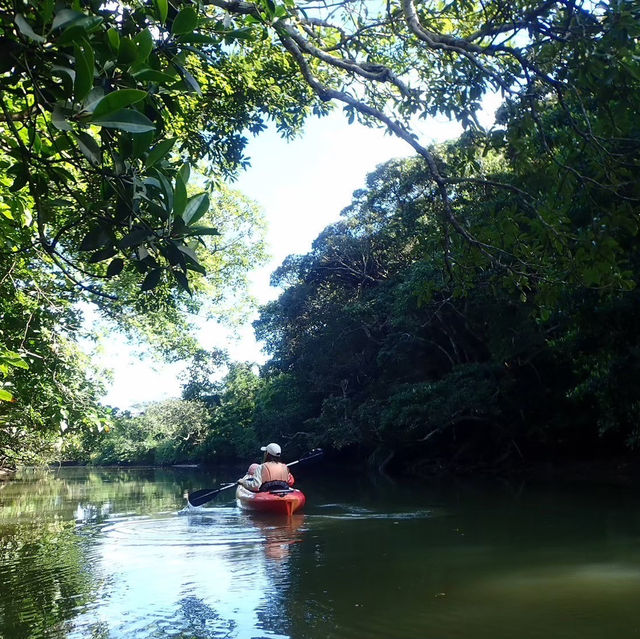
(104,553)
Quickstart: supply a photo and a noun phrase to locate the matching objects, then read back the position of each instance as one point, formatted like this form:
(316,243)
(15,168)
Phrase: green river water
(106,553)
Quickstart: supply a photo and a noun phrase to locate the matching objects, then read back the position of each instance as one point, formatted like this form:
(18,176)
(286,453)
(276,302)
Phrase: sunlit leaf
(89,147)
(128,120)
(26,30)
(144,40)
(185,22)
(163,9)
(159,151)
(203,230)
(117,100)
(196,207)
(151,75)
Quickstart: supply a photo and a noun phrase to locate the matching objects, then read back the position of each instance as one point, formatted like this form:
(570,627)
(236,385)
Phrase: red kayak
(278,502)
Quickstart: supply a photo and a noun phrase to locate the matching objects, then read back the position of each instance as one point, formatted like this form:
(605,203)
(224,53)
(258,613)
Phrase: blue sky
(302,186)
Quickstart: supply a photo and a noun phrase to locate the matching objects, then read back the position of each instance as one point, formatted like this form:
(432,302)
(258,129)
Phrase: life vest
(275,476)
(274,471)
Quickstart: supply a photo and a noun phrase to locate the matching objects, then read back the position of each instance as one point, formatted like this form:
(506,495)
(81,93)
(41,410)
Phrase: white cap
(272,449)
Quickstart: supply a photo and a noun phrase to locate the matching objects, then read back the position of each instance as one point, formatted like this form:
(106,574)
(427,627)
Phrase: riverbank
(623,470)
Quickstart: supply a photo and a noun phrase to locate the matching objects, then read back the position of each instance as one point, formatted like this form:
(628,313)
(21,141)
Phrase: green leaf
(128,120)
(179,196)
(246,33)
(144,41)
(78,29)
(198,38)
(189,80)
(115,267)
(26,30)
(185,22)
(117,100)
(192,260)
(151,75)
(65,17)
(21,179)
(5,395)
(197,267)
(63,173)
(46,11)
(152,280)
(185,172)
(114,39)
(196,207)
(163,9)
(74,33)
(96,238)
(83,83)
(67,76)
(103,254)
(280,12)
(89,147)
(159,151)
(172,254)
(18,362)
(167,191)
(189,252)
(127,52)
(91,101)
(141,143)
(134,238)
(182,280)
(203,230)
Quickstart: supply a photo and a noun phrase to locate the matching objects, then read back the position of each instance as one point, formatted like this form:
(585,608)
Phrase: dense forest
(474,307)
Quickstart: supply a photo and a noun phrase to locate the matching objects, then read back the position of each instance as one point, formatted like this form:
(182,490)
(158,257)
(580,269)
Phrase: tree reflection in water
(45,580)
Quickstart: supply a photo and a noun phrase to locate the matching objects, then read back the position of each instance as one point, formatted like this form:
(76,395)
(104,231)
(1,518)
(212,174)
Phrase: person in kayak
(272,474)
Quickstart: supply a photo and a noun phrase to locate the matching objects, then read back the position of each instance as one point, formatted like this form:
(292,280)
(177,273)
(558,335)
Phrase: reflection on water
(105,554)
(204,576)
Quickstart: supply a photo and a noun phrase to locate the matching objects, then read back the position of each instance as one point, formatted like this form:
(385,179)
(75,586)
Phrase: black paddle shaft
(200,497)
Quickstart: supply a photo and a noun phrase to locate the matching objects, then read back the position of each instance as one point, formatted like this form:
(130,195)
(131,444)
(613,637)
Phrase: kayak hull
(276,503)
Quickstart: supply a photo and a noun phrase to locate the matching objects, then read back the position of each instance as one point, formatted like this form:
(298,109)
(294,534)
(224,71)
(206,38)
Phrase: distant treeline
(408,347)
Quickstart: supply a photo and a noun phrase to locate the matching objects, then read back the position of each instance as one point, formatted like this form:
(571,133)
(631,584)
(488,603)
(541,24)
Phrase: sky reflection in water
(199,575)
